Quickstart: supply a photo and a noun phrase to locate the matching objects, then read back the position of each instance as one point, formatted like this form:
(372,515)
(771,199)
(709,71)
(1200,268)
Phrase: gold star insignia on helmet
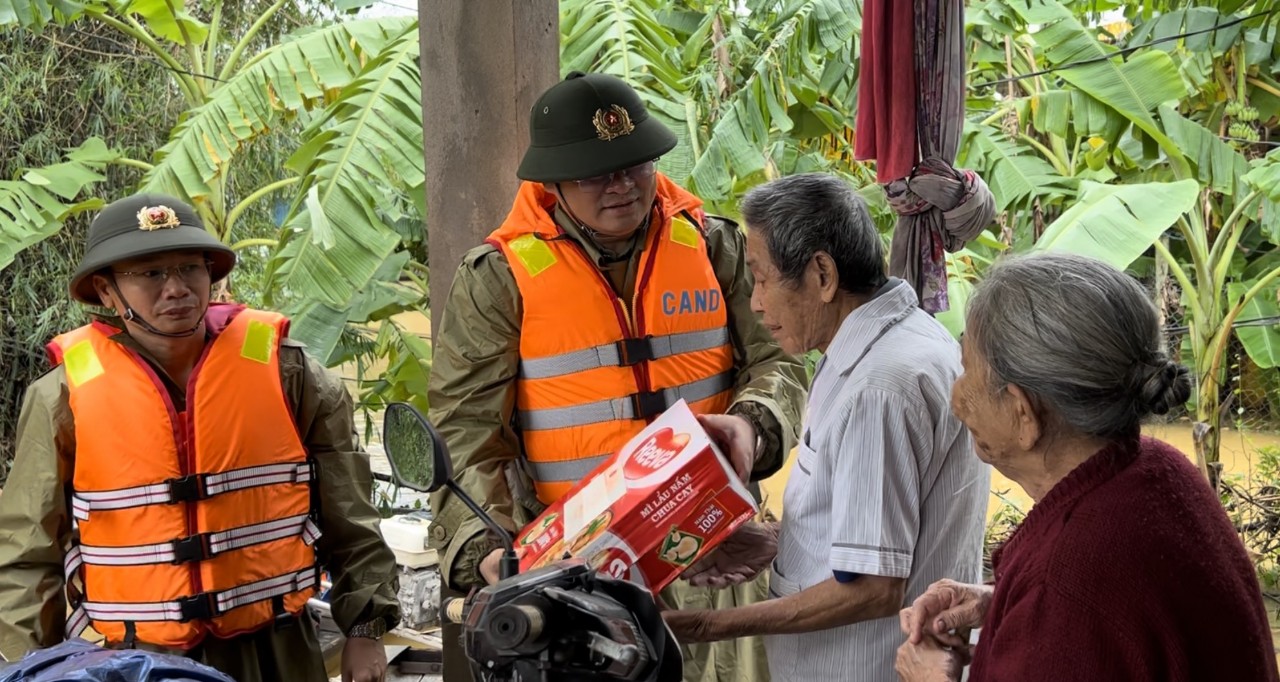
(157,218)
(613,122)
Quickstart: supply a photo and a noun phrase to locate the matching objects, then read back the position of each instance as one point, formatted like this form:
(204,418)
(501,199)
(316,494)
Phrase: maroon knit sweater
(1127,570)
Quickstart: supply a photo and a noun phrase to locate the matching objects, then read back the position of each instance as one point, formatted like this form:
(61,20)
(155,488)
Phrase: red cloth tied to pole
(886,116)
(910,115)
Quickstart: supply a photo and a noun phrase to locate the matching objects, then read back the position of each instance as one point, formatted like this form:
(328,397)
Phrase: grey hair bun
(1168,386)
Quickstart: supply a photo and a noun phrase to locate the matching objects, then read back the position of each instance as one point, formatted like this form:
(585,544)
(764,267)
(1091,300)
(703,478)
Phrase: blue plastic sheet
(79,661)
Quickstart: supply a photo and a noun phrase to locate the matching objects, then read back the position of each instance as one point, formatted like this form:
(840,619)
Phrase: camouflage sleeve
(475,359)
(34,524)
(771,385)
(361,566)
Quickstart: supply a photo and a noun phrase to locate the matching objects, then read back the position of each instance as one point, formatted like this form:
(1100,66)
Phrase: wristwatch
(373,629)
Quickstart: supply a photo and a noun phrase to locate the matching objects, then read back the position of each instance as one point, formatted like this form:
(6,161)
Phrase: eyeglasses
(635,174)
(155,278)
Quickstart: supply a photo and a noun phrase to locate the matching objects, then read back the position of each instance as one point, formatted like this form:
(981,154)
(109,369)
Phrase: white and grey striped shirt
(885,483)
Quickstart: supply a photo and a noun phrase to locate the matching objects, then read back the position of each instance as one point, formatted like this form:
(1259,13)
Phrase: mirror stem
(509,564)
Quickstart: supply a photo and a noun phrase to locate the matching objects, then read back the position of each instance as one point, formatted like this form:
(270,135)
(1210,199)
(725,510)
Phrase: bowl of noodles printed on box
(595,529)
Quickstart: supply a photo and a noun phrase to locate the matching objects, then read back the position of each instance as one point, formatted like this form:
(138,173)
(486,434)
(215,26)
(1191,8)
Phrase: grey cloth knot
(939,208)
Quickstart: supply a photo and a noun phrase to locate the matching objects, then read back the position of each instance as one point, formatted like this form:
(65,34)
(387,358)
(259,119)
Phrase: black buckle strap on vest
(649,404)
(635,351)
(198,607)
(130,635)
(188,488)
(193,548)
(281,618)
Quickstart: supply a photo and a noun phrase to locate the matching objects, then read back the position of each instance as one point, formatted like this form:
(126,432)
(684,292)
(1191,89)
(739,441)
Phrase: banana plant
(1163,127)
(339,245)
(1217,298)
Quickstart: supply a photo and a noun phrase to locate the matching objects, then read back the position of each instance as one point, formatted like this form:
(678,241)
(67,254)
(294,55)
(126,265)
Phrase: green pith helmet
(143,225)
(589,125)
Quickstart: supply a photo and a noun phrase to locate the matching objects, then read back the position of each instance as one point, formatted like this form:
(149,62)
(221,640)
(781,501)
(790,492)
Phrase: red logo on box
(655,452)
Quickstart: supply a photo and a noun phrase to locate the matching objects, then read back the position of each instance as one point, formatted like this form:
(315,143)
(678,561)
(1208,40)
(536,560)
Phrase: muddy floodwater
(1239,452)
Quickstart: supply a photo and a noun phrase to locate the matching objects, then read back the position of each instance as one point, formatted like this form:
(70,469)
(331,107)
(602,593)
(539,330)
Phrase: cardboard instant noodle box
(658,505)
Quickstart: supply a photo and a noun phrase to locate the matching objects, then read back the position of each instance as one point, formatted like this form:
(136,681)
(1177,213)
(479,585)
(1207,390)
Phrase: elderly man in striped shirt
(885,495)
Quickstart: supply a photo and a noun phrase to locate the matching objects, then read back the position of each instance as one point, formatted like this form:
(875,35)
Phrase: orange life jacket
(191,523)
(595,369)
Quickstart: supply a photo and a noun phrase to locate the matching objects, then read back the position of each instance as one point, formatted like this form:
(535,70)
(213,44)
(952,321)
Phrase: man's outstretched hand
(738,559)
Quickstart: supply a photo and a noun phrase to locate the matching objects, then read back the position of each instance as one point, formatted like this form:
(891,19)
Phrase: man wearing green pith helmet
(606,296)
(185,471)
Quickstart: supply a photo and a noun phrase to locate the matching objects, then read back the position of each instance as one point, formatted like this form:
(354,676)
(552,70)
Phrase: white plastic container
(406,535)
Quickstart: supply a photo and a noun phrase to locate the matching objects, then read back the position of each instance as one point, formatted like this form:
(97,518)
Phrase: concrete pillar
(484,62)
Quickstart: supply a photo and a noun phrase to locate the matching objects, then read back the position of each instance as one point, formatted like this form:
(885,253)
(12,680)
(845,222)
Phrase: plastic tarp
(79,661)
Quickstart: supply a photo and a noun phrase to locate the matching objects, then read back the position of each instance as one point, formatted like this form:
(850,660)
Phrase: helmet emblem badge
(613,122)
(157,218)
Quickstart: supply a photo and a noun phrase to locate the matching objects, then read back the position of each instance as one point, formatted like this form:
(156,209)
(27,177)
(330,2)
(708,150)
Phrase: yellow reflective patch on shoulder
(683,232)
(259,340)
(82,363)
(533,254)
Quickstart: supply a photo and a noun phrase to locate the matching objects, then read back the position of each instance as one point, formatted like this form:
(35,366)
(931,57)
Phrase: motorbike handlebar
(452,610)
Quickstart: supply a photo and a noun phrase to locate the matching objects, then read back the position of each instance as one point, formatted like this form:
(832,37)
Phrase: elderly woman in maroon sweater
(1127,567)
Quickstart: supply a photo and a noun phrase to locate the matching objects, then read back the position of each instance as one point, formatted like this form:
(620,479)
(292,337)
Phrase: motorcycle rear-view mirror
(420,461)
(418,457)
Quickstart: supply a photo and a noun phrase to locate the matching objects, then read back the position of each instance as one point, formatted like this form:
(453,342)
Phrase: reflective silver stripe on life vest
(609,355)
(572,470)
(216,543)
(77,621)
(223,601)
(235,538)
(124,498)
(85,502)
(266,589)
(620,408)
(252,477)
(72,562)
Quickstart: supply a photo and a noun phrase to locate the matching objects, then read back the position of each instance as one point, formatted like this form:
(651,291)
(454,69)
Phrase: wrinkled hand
(736,437)
(490,566)
(689,627)
(928,661)
(741,557)
(363,660)
(946,607)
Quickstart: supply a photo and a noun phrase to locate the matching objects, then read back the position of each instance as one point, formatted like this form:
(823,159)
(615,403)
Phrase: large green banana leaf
(170,20)
(1063,112)
(294,76)
(959,290)
(1265,177)
(1261,342)
(335,238)
(1132,88)
(800,37)
(1118,223)
(1014,172)
(36,14)
(624,38)
(36,207)
(1218,165)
